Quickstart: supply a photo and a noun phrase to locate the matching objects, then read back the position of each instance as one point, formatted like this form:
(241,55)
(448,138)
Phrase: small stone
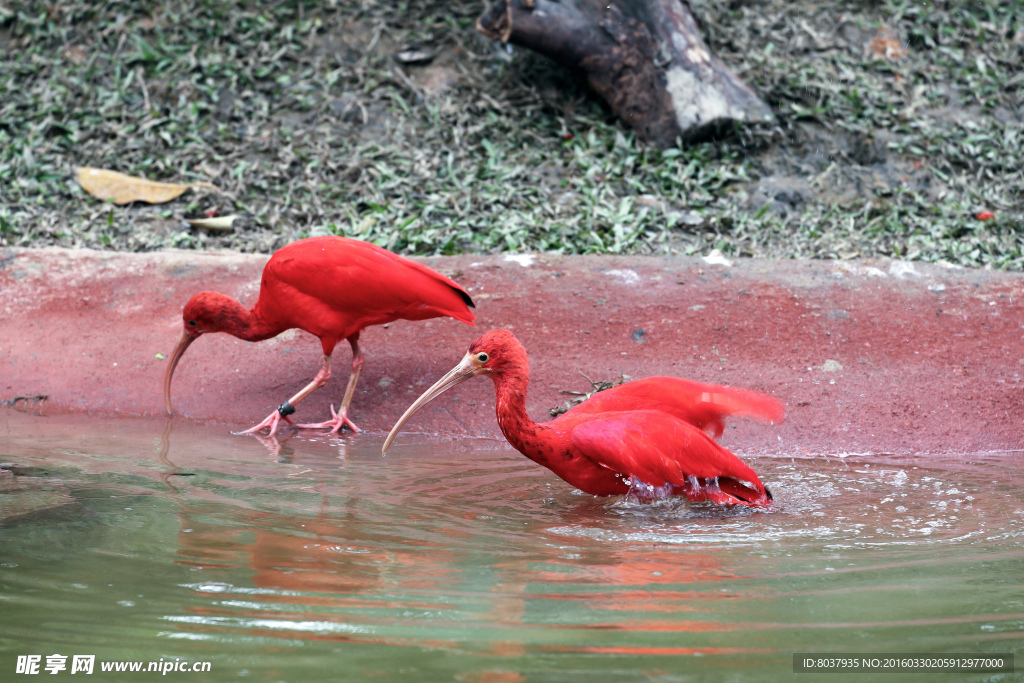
(414,57)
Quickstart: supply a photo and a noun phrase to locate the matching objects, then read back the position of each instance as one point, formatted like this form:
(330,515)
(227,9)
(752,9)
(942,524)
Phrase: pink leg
(340,419)
(272,420)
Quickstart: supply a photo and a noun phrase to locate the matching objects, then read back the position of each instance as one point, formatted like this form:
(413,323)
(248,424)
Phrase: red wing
(702,405)
(349,284)
(660,449)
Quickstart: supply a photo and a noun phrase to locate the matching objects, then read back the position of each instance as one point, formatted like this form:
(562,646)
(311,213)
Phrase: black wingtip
(769,493)
(465,297)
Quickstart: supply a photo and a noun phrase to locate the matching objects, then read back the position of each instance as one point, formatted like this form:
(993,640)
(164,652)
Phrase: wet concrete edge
(869,356)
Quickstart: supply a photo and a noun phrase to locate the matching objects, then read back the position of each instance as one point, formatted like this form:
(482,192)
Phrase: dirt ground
(898,132)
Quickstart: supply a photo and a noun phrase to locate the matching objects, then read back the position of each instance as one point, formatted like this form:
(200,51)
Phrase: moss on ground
(303,116)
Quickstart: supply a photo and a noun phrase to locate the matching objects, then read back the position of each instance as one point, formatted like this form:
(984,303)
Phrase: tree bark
(646,58)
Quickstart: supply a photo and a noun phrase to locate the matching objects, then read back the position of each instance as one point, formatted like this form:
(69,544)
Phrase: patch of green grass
(302,117)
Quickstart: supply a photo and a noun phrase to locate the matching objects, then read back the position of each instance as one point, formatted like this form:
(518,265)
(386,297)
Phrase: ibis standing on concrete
(333,288)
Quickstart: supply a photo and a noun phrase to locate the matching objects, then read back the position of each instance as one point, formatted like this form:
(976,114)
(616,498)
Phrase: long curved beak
(183,343)
(457,375)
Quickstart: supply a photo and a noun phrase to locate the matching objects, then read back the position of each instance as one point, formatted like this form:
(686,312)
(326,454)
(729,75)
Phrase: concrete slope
(868,356)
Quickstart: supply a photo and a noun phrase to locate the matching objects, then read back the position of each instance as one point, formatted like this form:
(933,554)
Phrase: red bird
(333,288)
(647,435)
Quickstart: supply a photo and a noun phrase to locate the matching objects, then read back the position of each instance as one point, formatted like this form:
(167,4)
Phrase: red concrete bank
(868,355)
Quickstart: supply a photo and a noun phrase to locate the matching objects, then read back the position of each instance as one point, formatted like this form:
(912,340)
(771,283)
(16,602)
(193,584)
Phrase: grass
(301,115)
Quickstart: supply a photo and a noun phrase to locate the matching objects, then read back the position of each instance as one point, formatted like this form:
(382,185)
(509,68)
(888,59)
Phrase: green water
(459,560)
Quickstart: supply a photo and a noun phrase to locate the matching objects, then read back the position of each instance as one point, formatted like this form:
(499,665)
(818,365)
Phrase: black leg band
(286,409)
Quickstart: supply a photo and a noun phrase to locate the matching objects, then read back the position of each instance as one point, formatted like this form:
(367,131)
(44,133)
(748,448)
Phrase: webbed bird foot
(338,421)
(270,423)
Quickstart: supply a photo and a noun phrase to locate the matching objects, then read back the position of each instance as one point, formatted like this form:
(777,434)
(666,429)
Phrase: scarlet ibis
(647,436)
(333,288)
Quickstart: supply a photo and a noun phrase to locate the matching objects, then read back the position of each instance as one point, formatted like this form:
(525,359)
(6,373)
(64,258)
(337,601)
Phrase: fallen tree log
(646,58)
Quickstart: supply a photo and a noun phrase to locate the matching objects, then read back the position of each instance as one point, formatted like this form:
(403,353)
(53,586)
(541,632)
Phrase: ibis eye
(192,323)
(482,358)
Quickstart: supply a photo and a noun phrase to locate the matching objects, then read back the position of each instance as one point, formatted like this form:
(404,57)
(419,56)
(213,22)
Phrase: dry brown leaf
(77,54)
(123,189)
(886,44)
